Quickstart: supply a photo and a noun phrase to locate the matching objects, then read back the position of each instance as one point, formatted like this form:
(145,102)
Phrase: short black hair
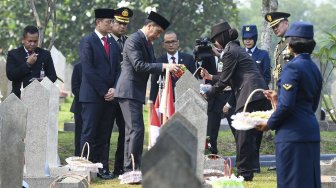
(30,29)
(301,45)
(148,21)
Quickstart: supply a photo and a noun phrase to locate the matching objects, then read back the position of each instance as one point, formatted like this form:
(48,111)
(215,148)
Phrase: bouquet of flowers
(180,72)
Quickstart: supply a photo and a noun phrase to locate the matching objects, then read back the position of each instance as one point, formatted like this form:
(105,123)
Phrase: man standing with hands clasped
(101,69)
(138,62)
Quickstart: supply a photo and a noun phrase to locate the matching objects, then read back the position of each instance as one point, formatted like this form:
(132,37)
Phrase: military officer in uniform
(297,140)
(119,27)
(278,21)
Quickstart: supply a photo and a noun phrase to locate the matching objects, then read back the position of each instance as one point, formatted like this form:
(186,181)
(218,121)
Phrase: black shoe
(105,174)
(271,168)
(118,172)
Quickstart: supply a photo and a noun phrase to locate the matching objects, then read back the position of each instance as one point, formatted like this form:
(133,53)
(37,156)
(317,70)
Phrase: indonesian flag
(155,121)
(167,107)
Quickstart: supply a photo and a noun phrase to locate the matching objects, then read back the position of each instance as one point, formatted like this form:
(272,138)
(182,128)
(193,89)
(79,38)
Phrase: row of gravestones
(29,137)
(177,158)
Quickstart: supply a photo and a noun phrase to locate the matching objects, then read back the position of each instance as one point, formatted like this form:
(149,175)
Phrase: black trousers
(134,131)
(248,143)
(97,126)
(215,114)
(119,154)
(78,132)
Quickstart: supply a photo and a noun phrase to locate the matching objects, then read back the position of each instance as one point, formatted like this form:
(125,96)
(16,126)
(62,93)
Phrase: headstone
(328,181)
(186,81)
(13,116)
(59,63)
(328,168)
(194,113)
(52,136)
(171,171)
(69,126)
(191,94)
(73,181)
(165,144)
(4,82)
(36,98)
(180,128)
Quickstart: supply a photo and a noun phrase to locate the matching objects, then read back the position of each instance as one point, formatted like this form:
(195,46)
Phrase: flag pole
(163,108)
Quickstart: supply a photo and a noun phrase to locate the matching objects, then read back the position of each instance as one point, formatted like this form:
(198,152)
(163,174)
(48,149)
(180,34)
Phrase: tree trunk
(266,32)
(50,12)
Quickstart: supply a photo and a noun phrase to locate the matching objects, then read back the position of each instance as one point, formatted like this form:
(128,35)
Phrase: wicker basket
(82,163)
(132,177)
(246,120)
(217,166)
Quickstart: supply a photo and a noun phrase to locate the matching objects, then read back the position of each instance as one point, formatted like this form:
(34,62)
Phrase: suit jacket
(138,62)
(294,119)
(241,73)
(263,61)
(100,72)
(186,59)
(76,80)
(20,73)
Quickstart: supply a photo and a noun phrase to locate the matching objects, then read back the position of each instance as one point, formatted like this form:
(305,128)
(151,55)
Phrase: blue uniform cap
(300,29)
(249,31)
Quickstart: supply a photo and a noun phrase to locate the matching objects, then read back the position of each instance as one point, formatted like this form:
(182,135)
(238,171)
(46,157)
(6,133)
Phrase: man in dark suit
(119,27)
(261,57)
(100,65)
(76,106)
(29,62)
(173,56)
(138,62)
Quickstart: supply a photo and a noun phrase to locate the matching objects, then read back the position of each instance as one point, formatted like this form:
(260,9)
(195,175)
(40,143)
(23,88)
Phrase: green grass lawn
(266,179)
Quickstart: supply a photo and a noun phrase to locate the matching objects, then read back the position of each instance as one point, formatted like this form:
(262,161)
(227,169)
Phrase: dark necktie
(148,43)
(106,46)
(120,44)
(249,51)
(173,58)
(30,53)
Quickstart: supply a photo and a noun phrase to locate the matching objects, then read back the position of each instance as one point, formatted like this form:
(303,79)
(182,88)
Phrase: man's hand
(226,110)
(109,96)
(272,96)
(172,67)
(32,59)
(205,74)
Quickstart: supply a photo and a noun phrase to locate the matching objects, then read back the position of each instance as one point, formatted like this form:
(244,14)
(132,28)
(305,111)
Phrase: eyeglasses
(171,42)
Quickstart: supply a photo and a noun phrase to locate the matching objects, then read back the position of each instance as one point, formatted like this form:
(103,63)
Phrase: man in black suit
(173,56)
(119,27)
(100,65)
(29,62)
(138,63)
(76,106)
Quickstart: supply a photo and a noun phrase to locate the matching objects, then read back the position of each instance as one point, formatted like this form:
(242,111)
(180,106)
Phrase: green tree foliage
(75,18)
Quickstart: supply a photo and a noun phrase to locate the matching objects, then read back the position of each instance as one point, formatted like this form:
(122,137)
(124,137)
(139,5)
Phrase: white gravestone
(13,121)
(36,98)
(52,136)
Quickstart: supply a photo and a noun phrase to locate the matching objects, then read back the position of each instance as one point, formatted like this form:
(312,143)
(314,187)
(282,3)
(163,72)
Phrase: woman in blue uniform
(297,138)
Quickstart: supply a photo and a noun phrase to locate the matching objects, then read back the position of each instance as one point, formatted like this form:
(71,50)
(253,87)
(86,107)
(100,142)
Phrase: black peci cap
(159,20)
(104,13)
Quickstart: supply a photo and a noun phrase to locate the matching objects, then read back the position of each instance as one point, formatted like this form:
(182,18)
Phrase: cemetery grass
(266,179)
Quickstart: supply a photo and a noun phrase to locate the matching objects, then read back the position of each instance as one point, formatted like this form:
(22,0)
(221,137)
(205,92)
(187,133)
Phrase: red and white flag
(155,121)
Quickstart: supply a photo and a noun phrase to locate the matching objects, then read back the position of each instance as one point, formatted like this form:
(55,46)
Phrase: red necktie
(148,43)
(173,58)
(106,46)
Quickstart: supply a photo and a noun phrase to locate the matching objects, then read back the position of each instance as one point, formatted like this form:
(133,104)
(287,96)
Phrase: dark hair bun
(233,34)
